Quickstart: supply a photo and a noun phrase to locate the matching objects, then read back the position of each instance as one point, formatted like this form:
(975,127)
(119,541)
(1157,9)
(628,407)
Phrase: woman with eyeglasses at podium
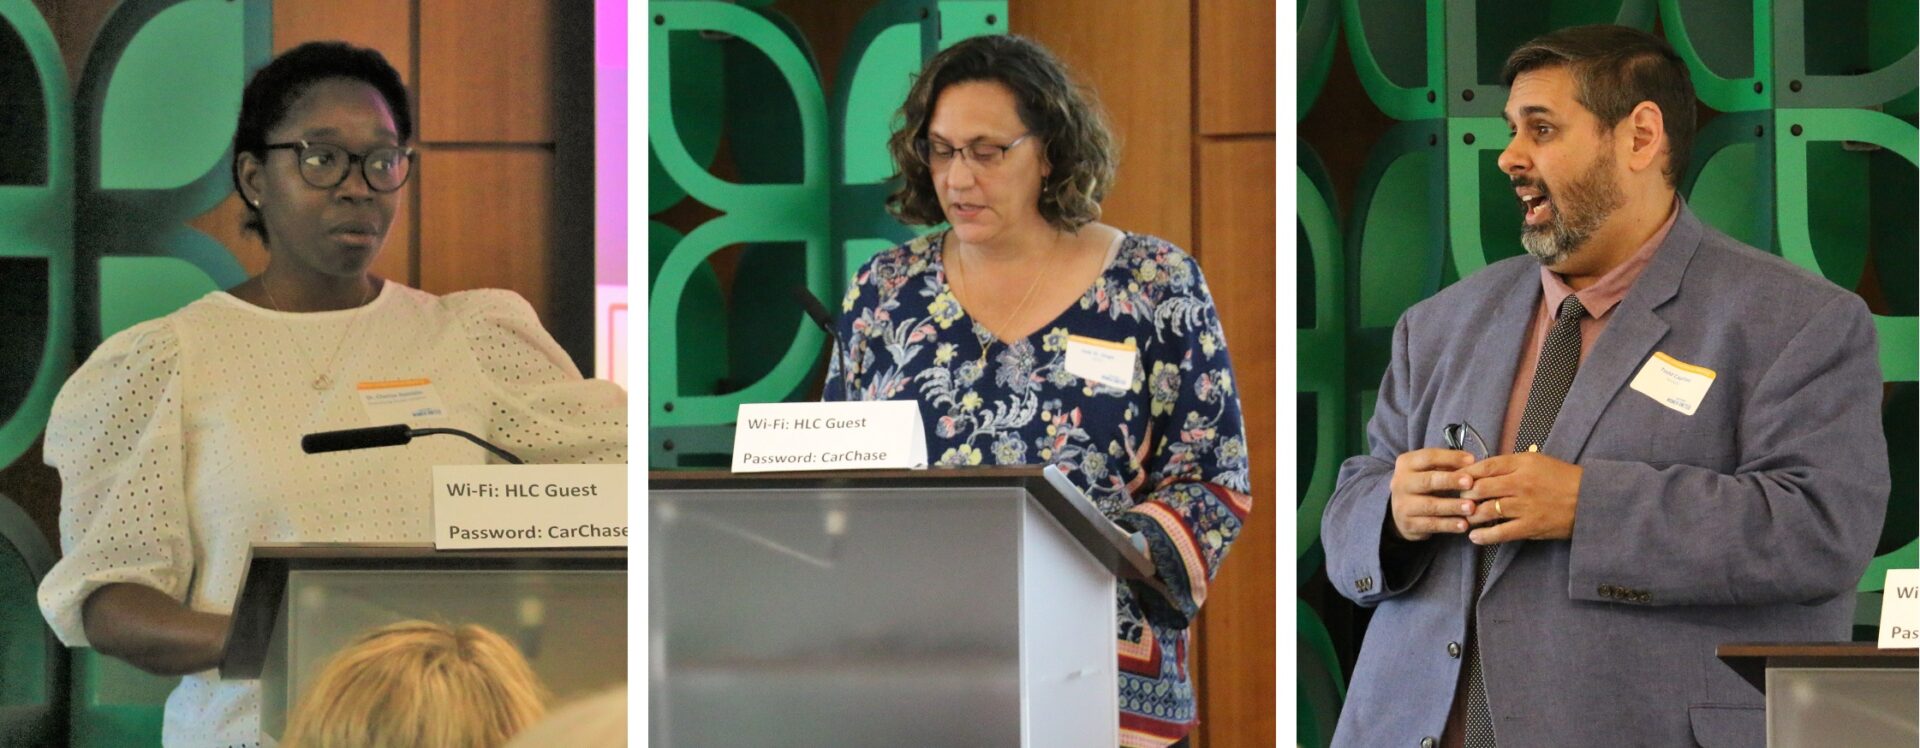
(178,440)
(1031,333)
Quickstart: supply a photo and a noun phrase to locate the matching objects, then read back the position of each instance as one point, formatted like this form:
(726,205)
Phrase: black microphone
(817,311)
(337,441)
(394,435)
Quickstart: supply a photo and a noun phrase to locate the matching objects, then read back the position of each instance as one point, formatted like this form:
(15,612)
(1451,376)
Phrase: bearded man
(1687,447)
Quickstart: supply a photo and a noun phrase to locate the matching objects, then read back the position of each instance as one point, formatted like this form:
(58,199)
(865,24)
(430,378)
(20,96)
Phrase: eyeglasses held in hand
(326,166)
(984,155)
(1458,436)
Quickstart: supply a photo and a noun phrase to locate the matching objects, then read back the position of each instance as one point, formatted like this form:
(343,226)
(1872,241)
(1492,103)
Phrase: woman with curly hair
(989,324)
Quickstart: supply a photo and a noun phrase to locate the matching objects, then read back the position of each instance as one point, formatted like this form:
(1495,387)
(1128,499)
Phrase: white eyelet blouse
(178,445)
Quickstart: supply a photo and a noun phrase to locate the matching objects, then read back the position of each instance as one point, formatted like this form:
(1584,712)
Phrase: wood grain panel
(486,71)
(1236,649)
(1137,57)
(1236,70)
(486,221)
(384,25)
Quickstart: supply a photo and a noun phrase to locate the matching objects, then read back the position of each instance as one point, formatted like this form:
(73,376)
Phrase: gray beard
(1554,241)
(1589,202)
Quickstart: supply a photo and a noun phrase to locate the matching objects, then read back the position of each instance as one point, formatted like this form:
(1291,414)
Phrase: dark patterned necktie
(1552,377)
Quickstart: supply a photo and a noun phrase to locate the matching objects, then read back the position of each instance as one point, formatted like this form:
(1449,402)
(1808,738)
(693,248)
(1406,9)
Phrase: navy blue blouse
(1165,457)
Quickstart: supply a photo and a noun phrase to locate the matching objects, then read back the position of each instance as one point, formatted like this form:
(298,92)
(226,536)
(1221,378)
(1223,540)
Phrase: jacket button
(1606,591)
(1428,742)
(1453,650)
(1641,596)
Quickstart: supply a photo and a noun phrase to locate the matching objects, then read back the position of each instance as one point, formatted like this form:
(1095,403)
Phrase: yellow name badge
(1673,383)
(401,401)
(1102,362)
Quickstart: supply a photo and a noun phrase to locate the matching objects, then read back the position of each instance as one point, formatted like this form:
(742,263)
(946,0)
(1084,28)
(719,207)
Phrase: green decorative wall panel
(1807,149)
(97,186)
(36,226)
(804,203)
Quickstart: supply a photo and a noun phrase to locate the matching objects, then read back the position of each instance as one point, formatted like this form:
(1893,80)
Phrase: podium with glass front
(564,609)
(928,608)
(1833,693)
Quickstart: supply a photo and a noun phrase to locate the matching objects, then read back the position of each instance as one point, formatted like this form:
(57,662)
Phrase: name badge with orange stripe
(1673,383)
(1102,362)
(401,401)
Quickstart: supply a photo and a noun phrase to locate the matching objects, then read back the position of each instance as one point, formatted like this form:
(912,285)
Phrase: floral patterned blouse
(1165,457)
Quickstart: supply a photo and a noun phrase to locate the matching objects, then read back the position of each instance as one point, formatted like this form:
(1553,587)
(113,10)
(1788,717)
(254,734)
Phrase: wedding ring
(1496,509)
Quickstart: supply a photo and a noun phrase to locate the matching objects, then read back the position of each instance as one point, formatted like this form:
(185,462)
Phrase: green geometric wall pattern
(97,185)
(1802,96)
(807,208)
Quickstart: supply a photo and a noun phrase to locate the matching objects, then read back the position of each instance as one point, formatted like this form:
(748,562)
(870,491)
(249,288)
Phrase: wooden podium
(565,609)
(1833,693)
(945,607)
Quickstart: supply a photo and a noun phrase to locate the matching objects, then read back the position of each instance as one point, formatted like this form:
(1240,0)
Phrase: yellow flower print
(970,401)
(1165,386)
(1056,340)
(945,309)
(853,295)
(943,354)
(1208,345)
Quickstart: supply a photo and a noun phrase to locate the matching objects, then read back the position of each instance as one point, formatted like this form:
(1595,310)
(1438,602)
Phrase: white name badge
(1900,610)
(400,401)
(530,506)
(1102,362)
(1673,383)
(780,437)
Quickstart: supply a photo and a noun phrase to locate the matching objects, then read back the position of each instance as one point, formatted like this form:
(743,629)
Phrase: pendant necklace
(986,344)
(322,380)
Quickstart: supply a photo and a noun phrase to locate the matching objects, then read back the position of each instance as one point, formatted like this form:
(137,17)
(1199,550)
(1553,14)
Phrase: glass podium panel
(571,625)
(1857,707)
(855,617)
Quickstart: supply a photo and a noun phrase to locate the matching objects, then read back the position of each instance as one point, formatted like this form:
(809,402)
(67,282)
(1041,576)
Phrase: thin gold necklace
(986,346)
(322,381)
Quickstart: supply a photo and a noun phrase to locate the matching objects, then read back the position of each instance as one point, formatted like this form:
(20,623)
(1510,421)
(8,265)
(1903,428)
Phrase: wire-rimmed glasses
(938,155)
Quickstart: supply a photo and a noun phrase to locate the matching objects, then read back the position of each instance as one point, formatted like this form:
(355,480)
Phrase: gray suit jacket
(1750,520)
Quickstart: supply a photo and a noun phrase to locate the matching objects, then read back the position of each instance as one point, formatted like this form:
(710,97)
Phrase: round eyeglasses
(326,166)
(983,155)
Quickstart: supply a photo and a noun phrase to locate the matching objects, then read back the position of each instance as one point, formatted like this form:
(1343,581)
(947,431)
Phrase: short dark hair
(1064,116)
(282,82)
(1614,69)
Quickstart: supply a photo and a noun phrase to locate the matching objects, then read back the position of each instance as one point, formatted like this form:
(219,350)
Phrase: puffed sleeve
(542,409)
(115,436)
(1196,472)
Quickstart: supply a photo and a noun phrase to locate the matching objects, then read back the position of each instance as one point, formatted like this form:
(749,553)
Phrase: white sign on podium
(530,506)
(787,437)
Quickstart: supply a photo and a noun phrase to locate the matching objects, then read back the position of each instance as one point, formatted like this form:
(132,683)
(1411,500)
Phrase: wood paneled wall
(1188,87)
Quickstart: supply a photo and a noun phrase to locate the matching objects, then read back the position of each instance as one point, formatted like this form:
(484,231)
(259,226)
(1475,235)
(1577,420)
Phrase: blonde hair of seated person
(417,683)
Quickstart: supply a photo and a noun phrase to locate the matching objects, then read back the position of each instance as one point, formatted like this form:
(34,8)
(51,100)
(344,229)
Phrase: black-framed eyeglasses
(326,166)
(1462,437)
(984,155)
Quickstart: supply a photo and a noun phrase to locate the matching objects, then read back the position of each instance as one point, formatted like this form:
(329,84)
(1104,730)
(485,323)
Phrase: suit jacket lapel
(1492,361)
(1630,337)
(1619,351)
